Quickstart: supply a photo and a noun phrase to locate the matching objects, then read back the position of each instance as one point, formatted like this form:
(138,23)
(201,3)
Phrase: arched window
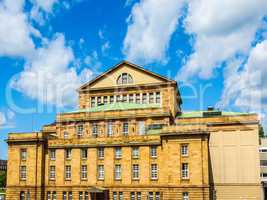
(124,78)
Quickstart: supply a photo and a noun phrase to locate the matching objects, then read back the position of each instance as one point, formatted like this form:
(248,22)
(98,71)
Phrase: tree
(261,132)
(2,179)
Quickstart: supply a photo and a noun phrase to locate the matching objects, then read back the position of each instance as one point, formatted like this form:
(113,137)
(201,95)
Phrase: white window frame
(105,100)
(52,154)
(66,135)
(151,98)
(132,195)
(23,154)
(154,171)
(158,98)
(135,152)
(135,171)
(94,129)
(68,153)
(84,172)
(141,127)
(137,98)
(185,196)
(139,195)
(120,195)
(184,149)
(185,171)
(114,195)
(52,172)
(23,172)
(144,98)
(118,152)
(93,100)
(84,153)
(153,151)
(80,195)
(79,130)
(54,195)
(101,172)
(64,195)
(101,153)
(117,172)
(109,128)
(131,98)
(67,172)
(125,128)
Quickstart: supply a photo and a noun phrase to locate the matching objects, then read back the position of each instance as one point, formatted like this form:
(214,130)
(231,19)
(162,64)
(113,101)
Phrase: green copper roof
(117,106)
(192,114)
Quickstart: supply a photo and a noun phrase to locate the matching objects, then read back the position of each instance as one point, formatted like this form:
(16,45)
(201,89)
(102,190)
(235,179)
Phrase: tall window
(151,97)
(125,128)
(114,195)
(70,196)
(131,98)
(139,196)
(79,130)
(101,172)
(120,196)
(135,152)
(52,172)
(110,129)
(132,195)
(66,135)
(185,196)
(117,172)
(23,173)
(94,129)
(54,195)
(84,172)
(154,171)
(101,153)
(84,153)
(157,196)
(141,125)
(105,100)
(111,99)
(68,153)
(118,98)
(22,195)
(124,98)
(135,171)
(118,153)
(80,195)
(28,196)
(86,196)
(184,150)
(23,154)
(52,154)
(99,101)
(64,195)
(158,97)
(153,151)
(67,172)
(185,171)
(48,195)
(137,98)
(150,196)
(144,98)
(124,78)
(92,101)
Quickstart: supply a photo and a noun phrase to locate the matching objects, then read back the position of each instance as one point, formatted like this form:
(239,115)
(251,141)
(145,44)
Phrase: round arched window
(124,78)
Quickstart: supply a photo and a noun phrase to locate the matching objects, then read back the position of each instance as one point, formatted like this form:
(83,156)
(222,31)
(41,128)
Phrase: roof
(119,65)
(117,106)
(196,114)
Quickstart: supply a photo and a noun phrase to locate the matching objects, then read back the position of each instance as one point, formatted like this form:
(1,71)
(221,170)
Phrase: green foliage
(2,179)
(261,131)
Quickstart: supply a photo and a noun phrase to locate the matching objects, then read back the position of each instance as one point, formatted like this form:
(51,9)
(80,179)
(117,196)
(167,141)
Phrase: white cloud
(46,5)
(49,77)
(150,27)
(92,60)
(15,31)
(2,119)
(245,86)
(221,30)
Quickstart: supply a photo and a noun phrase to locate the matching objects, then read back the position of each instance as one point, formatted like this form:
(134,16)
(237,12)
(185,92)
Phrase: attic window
(124,78)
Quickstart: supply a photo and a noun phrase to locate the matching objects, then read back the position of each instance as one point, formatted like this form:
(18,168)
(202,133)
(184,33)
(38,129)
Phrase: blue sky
(50,47)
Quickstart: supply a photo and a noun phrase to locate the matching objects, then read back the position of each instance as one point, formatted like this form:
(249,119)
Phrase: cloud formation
(150,27)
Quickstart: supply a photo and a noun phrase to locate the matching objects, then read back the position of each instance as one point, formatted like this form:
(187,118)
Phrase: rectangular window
(135,171)
(84,172)
(52,154)
(139,196)
(99,101)
(151,97)
(28,196)
(94,129)
(92,101)
(120,196)
(135,152)
(111,99)
(118,153)
(68,154)
(142,129)
(23,154)
(48,195)
(137,98)
(105,100)
(153,151)
(131,98)
(154,171)
(132,195)
(110,129)
(184,150)
(80,195)
(54,195)
(144,98)
(84,153)
(124,98)
(66,135)
(185,196)
(70,196)
(101,172)
(64,195)
(157,196)
(185,171)
(117,172)
(118,98)
(52,172)
(158,97)
(125,128)
(86,196)
(114,195)
(101,153)
(79,130)
(150,196)
(67,172)
(23,172)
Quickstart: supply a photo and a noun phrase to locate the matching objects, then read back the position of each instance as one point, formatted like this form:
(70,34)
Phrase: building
(263,166)
(129,139)
(3,165)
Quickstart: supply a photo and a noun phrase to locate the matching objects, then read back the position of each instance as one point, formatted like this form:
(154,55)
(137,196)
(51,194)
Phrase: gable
(139,77)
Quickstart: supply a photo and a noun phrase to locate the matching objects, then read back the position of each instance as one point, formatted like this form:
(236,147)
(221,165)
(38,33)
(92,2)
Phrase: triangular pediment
(139,76)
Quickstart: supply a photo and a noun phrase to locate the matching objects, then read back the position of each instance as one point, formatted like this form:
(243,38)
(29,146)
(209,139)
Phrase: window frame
(154,171)
(135,172)
(117,172)
(68,172)
(154,151)
(101,153)
(100,172)
(185,171)
(23,172)
(84,171)
(52,172)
